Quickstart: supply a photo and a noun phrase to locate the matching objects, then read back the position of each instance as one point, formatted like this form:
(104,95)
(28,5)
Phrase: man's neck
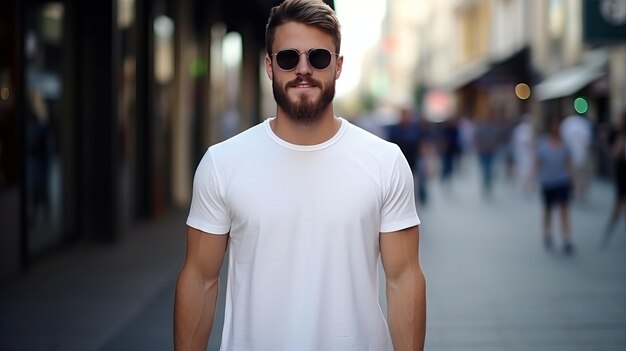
(306,133)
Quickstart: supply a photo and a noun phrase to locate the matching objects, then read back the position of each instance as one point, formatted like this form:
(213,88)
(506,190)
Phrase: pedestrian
(449,148)
(406,135)
(618,155)
(486,143)
(576,132)
(307,204)
(553,168)
(523,141)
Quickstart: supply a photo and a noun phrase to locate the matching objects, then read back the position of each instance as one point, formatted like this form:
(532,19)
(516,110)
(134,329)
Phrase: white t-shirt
(304,224)
(576,133)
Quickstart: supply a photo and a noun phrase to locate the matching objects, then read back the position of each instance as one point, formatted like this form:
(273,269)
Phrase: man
(307,203)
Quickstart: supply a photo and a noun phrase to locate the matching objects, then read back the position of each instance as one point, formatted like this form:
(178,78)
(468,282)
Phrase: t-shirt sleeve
(208,211)
(398,210)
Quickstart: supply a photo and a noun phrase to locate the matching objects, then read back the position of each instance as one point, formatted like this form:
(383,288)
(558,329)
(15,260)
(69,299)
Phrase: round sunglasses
(288,59)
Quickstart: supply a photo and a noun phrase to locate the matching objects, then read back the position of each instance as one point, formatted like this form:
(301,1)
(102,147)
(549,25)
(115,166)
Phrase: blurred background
(106,107)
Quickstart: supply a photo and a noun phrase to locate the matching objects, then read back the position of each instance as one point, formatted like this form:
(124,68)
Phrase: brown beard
(304,111)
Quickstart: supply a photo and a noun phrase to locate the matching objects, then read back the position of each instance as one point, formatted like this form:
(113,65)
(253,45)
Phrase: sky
(360,22)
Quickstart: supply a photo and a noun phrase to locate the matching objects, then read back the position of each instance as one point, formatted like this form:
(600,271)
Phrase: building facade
(107,106)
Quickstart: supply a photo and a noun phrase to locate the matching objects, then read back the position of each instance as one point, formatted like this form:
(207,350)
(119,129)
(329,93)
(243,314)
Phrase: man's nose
(303,67)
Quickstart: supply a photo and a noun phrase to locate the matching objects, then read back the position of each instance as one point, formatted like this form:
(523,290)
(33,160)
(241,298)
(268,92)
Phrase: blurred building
(508,56)
(107,106)
(475,53)
(579,51)
(400,48)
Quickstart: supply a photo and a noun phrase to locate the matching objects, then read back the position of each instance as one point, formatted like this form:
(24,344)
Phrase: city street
(491,284)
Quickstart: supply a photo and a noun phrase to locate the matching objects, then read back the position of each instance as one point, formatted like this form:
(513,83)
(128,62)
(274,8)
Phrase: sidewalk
(492,286)
(88,297)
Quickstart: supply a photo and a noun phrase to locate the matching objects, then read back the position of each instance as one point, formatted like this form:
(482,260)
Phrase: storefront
(82,125)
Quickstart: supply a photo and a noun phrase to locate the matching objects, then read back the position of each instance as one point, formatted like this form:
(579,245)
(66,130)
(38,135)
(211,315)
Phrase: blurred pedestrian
(427,165)
(576,132)
(486,142)
(553,165)
(449,148)
(523,143)
(39,148)
(405,134)
(618,155)
(412,138)
(307,204)
(370,121)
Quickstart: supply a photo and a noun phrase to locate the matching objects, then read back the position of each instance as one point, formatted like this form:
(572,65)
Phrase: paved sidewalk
(492,286)
(92,296)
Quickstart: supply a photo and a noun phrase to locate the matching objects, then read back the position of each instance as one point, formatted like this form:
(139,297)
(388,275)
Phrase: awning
(571,80)
(512,66)
(463,77)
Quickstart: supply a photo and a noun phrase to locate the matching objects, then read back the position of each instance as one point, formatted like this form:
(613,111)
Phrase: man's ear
(339,67)
(268,67)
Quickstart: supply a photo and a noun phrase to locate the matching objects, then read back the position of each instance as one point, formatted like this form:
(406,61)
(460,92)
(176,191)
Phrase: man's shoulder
(237,147)
(364,144)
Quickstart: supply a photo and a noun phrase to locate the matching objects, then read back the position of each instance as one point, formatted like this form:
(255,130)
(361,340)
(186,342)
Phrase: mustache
(300,80)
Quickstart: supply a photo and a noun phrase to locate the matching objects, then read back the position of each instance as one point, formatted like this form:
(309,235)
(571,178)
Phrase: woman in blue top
(555,181)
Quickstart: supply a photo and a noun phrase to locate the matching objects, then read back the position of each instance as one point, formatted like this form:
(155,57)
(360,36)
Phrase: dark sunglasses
(318,58)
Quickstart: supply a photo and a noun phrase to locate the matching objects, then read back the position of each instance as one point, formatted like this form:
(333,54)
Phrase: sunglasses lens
(287,59)
(319,58)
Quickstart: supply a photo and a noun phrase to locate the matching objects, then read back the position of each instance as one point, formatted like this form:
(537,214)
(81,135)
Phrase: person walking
(307,204)
(411,136)
(406,135)
(618,155)
(523,141)
(553,165)
(576,133)
(486,143)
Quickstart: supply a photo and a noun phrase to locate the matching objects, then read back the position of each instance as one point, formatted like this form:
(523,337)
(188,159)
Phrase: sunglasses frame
(307,58)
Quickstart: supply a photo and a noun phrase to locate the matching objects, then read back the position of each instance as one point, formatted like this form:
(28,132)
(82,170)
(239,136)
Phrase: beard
(304,110)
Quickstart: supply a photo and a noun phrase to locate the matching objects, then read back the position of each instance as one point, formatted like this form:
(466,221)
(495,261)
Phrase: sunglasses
(318,58)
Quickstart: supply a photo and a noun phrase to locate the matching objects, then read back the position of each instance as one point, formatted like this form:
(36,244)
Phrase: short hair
(314,13)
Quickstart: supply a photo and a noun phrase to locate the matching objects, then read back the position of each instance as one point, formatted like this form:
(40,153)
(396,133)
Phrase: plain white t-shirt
(576,133)
(304,225)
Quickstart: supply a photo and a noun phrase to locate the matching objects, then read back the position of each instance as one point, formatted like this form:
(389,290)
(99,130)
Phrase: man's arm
(196,290)
(406,289)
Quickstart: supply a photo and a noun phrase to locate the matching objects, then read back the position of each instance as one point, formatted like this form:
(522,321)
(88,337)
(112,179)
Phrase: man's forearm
(194,311)
(406,304)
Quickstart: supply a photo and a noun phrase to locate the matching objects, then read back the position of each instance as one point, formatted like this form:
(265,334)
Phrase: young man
(308,203)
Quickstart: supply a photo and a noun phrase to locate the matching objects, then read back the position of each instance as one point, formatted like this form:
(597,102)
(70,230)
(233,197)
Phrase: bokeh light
(198,67)
(522,90)
(581,105)
(5,93)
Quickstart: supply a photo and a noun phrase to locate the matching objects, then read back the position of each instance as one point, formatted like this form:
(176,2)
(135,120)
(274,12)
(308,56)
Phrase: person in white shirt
(576,132)
(307,204)
(523,141)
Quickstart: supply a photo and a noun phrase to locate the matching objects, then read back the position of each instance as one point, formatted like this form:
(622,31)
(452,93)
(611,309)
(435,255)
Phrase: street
(492,286)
